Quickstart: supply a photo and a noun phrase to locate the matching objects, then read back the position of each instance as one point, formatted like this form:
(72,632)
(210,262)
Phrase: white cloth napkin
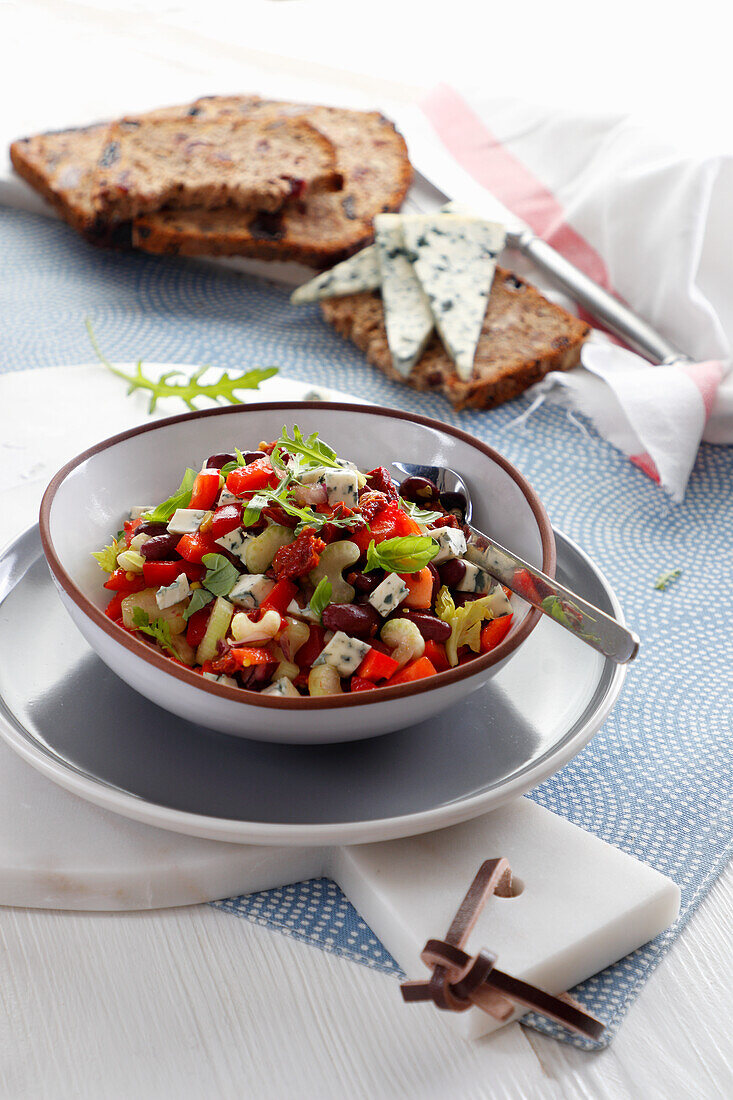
(645,221)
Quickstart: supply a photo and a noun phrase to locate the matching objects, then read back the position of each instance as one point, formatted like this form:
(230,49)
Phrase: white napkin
(645,221)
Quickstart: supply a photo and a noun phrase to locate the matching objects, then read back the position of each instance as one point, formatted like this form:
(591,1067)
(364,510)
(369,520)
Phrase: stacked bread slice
(235,175)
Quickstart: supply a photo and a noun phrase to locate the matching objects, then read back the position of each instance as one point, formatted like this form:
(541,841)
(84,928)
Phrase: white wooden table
(194,1002)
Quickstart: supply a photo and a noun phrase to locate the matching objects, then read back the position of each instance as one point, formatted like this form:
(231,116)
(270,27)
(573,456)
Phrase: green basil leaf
(407,554)
(221,575)
(180,499)
(199,598)
(321,598)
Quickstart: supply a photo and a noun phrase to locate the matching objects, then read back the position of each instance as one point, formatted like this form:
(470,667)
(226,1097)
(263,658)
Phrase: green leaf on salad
(321,598)
(229,466)
(311,451)
(199,598)
(306,516)
(157,629)
(407,554)
(221,575)
(418,514)
(107,558)
(222,388)
(662,583)
(180,499)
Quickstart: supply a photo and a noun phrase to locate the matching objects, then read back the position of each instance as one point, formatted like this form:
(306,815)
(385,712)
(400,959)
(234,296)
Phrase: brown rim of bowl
(253,698)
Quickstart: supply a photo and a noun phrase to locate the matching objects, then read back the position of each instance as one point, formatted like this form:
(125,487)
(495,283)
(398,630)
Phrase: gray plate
(72,718)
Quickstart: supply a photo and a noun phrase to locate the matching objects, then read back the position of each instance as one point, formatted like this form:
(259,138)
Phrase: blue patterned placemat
(656,780)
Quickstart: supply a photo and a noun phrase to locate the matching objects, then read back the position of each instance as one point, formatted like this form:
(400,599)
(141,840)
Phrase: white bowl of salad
(260,571)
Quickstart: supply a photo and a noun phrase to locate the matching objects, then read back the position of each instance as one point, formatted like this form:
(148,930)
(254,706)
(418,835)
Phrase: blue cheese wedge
(222,678)
(342,485)
(454,259)
(283,688)
(474,580)
(141,510)
(251,590)
(343,653)
(234,542)
(389,594)
(185,521)
(306,612)
(407,316)
(170,594)
(357,274)
(451,543)
(226,497)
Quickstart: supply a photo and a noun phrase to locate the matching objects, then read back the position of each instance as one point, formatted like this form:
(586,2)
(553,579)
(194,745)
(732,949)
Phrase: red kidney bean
(436,581)
(419,490)
(452,572)
(160,548)
(429,625)
(358,622)
(147,527)
(215,462)
(461,598)
(366,582)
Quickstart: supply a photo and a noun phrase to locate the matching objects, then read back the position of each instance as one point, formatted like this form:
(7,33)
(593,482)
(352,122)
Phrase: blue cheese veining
(407,316)
(357,274)
(454,258)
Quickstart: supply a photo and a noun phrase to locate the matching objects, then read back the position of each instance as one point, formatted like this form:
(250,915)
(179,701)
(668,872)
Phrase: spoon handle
(571,611)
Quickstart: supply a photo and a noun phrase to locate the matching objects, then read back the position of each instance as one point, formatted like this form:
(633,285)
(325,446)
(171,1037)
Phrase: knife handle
(611,312)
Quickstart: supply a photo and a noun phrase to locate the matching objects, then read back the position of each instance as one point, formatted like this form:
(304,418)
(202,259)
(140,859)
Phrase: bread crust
(524,337)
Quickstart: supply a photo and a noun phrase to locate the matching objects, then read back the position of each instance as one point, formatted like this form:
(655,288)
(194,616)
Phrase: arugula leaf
(199,598)
(312,450)
(180,499)
(253,511)
(662,583)
(158,629)
(223,387)
(418,514)
(408,554)
(322,596)
(221,575)
(107,558)
(307,517)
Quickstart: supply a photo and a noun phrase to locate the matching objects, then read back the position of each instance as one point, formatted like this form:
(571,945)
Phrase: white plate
(75,721)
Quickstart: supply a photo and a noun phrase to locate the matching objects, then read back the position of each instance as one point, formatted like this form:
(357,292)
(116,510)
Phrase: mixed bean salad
(289,571)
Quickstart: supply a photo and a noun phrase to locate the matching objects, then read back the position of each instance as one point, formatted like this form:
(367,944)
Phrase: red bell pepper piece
(157,573)
(226,519)
(280,596)
(130,526)
(193,547)
(308,652)
(435,652)
(246,656)
(197,626)
(113,610)
(205,490)
(377,666)
(390,523)
(358,683)
(257,475)
(495,632)
(124,582)
(416,670)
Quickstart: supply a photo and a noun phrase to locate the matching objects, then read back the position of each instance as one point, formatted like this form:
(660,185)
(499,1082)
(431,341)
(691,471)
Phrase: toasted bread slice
(371,157)
(524,336)
(254,164)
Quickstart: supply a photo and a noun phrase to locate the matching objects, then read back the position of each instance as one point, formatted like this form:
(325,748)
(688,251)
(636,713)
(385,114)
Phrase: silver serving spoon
(589,623)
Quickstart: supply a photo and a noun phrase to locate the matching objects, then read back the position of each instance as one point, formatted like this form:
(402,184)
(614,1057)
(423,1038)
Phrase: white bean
(324,680)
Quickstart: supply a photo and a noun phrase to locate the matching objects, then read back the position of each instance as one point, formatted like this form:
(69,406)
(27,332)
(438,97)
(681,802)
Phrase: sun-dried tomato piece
(381,482)
(448,520)
(299,557)
(372,502)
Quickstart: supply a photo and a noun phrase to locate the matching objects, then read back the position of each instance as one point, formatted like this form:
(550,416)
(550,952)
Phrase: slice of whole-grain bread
(255,164)
(371,157)
(524,336)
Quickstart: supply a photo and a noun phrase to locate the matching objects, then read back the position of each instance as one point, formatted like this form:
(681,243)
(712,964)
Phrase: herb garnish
(159,629)
(180,499)
(321,598)
(312,451)
(662,583)
(221,575)
(418,514)
(107,558)
(407,554)
(199,598)
(224,387)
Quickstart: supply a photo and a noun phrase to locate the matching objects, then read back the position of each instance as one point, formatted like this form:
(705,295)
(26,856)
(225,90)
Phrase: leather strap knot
(460,981)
